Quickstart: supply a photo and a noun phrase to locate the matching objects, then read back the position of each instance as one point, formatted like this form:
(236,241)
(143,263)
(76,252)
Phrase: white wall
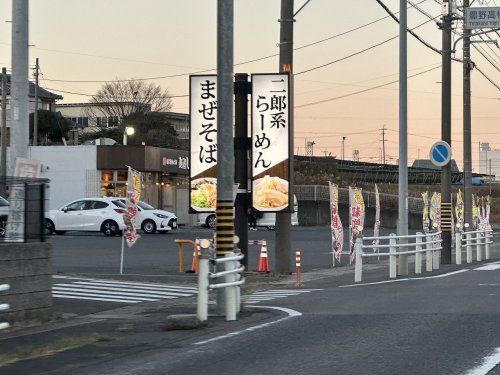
(484,162)
(69,169)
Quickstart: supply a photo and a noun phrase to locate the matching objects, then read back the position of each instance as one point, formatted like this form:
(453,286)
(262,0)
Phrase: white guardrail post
(4,306)
(418,253)
(479,251)
(358,267)
(458,247)
(202,303)
(488,238)
(468,246)
(393,261)
(436,254)
(428,252)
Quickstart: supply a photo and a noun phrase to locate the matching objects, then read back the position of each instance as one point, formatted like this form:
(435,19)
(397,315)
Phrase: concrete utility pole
(3,139)
(35,115)
(383,144)
(284,219)
(467,68)
(446,131)
(403,134)
(225,142)
(19,86)
(242,88)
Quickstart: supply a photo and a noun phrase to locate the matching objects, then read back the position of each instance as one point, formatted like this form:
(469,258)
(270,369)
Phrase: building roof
(43,94)
(427,164)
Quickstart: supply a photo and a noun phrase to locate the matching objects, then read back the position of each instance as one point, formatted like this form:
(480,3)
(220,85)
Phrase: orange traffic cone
(194,260)
(263,259)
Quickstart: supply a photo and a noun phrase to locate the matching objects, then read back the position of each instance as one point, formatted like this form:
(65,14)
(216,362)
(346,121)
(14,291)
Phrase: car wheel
(3,224)
(211,221)
(60,232)
(271,227)
(110,228)
(148,226)
(50,227)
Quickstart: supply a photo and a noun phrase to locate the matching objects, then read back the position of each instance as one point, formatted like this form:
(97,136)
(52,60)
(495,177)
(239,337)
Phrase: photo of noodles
(270,193)
(204,194)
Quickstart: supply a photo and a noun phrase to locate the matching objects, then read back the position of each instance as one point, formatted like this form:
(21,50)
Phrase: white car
(151,219)
(266,219)
(87,214)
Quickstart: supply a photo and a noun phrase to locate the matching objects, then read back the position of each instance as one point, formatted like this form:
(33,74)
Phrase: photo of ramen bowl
(270,193)
(204,194)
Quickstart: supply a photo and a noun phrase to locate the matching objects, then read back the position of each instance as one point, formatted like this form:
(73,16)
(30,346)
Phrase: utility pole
(19,87)
(343,148)
(467,123)
(284,219)
(383,144)
(489,162)
(242,88)
(35,115)
(403,134)
(225,149)
(3,139)
(446,130)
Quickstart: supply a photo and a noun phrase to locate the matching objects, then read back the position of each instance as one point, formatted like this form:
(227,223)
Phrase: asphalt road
(95,254)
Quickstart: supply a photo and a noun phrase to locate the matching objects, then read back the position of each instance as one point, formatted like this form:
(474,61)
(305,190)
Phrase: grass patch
(58,346)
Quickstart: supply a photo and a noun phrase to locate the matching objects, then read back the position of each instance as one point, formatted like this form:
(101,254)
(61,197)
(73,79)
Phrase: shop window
(121,175)
(107,176)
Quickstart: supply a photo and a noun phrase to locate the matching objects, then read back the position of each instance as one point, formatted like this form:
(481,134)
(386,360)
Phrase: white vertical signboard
(270,142)
(203,143)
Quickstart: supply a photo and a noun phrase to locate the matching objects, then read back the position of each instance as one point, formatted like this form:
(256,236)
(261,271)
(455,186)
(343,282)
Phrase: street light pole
(446,131)
(225,142)
(403,134)
(283,219)
(35,115)
(3,135)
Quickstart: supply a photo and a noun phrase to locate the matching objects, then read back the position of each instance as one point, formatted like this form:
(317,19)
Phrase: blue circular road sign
(440,154)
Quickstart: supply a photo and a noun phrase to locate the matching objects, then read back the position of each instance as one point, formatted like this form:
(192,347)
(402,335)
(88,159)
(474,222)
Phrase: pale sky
(103,40)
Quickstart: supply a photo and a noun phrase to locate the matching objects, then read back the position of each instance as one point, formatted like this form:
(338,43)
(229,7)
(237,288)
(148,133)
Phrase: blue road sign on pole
(440,154)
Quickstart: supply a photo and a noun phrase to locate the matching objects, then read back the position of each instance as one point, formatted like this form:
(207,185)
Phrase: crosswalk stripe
(124,289)
(103,295)
(489,267)
(149,286)
(95,299)
(100,291)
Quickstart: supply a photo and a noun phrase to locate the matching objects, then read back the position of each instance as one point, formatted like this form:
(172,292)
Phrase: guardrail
(4,306)
(231,284)
(468,240)
(428,244)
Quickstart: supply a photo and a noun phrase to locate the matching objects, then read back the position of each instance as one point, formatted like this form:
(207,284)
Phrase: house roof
(43,94)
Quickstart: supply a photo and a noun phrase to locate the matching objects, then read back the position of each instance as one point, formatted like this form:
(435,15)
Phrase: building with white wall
(489,161)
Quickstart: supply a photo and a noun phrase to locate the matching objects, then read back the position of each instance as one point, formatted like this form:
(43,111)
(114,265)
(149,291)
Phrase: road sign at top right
(483,17)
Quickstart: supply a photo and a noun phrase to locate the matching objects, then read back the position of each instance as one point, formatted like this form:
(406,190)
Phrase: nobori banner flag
(271,142)
(134,183)
(203,143)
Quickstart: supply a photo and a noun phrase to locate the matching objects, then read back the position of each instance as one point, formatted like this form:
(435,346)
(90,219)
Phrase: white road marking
(489,267)
(58,289)
(118,291)
(268,295)
(406,279)
(489,362)
(291,313)
(95,299)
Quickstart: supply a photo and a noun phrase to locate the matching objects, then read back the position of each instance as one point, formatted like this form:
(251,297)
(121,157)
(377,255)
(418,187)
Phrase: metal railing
(231,276)
(478,239)
(4,306)
(428,244)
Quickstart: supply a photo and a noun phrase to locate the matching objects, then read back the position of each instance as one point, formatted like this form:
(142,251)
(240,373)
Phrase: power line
(118,98)
(365,90)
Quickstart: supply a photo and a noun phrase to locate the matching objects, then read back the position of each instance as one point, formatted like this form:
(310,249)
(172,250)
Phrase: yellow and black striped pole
(225,227)
(446,217)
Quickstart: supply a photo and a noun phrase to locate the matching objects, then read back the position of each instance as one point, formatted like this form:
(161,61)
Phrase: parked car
(152,219)
(87,214)
(4,214)
(264,219)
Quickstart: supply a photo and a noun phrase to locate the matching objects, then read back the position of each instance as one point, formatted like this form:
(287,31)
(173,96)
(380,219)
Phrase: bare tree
(118,99)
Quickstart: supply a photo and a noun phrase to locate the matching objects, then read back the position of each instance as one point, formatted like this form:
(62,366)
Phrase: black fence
(22,209)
